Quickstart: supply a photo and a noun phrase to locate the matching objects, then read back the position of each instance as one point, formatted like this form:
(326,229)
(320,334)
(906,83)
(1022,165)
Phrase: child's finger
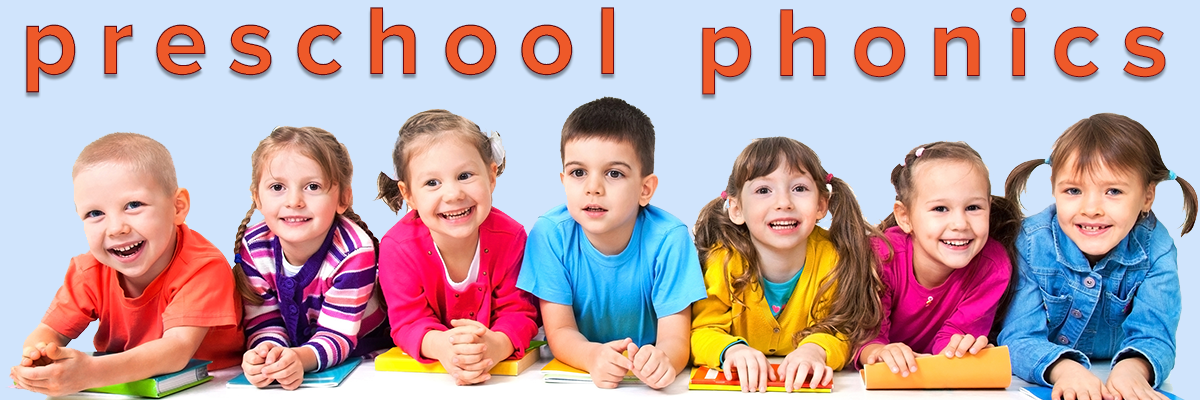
(473,326)
(818,375)
(980,344)
(789,374)
(771,375)
(764,372)
(469,348)
(951,345)
(641,357)
(909,358)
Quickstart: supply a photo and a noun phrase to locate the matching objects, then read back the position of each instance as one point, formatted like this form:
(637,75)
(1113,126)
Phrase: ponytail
(389,191)
(1189,203)
(854,305)
(714,230)
(1015,184)
(1004,224)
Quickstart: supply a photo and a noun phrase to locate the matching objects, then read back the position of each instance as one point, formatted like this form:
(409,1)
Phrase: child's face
(780,209)
(605,187)
(947,216)
(129,221)
(298,203)
(1099,208)
(451,189)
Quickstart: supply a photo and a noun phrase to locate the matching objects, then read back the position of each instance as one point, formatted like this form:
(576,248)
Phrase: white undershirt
(290,270)
(472,274)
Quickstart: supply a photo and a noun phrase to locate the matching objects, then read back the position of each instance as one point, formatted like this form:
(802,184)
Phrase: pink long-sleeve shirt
(925,318)
(420,299)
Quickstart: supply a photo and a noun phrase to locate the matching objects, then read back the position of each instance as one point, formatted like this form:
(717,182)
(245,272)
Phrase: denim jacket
(1128,305)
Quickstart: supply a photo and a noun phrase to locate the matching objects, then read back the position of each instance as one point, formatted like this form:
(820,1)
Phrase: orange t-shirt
(196,289)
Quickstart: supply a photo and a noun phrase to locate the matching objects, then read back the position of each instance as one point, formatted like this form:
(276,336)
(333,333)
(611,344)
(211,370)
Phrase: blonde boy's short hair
(140,152)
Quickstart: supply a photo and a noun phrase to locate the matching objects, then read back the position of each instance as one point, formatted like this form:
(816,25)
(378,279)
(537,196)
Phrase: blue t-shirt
(778,293)
(619,296)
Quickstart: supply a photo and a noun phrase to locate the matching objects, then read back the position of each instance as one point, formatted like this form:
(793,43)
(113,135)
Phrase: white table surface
(367,383)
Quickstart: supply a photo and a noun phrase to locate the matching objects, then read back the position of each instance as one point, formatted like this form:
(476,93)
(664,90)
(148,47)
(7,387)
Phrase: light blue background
(861,126)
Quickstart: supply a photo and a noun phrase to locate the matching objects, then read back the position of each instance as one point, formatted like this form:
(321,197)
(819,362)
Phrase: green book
(195,373)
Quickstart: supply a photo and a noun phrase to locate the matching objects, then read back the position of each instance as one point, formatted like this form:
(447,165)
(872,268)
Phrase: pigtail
(1015,184)
(714,230)
(1004,224)
(900,182)
(389,191)
(353,217)
(854,305)
(240,280)
(1189,204)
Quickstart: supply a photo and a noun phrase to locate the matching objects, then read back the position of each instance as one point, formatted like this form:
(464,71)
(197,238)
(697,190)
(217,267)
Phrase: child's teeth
(956,242)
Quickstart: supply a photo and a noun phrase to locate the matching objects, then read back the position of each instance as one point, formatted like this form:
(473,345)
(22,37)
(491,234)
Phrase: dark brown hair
(1112,140)
(1004,217)
(853,306)
(324,149)
(610,118)
(418,132)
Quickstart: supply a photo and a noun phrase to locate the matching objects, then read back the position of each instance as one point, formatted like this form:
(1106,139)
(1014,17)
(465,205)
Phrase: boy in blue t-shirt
(615,275)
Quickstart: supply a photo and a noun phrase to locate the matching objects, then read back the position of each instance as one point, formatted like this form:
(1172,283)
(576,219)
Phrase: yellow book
(988,369)
(396,360)
(559,372)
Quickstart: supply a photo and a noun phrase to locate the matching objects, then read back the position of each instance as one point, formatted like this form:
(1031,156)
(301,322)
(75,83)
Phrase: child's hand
(960,345)
(253,361)
(283,365)
(469,351)
(1129,380)
(608,366)
(31,356)
(752,367)
(651,365)
(898,357)
(1073,381)
(809,357)
(66,371)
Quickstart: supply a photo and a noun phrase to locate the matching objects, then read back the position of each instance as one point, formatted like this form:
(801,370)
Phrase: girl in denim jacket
(1098,276)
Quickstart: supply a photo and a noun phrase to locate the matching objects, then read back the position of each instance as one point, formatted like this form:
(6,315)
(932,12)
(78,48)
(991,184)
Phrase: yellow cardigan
(718,322)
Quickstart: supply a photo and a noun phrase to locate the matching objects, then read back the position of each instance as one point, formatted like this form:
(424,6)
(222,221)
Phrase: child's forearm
(572,348)
(674,337)
(435,345)
(45,334)
(167,354)
(308,358)
(499,346)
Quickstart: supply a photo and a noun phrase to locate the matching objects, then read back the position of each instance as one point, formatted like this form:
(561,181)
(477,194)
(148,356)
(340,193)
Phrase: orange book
(988,369)
(704,378)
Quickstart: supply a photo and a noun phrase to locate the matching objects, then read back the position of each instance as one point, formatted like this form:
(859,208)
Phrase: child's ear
(649,185)
(405,193)
(492,174)
(1149,197)
(901,213)
(183,204)
(347,198)
(735,211)
(823,209)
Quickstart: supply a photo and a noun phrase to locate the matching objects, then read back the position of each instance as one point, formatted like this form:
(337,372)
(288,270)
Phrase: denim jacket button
(1063,339)
(1089,282)
(1076,313)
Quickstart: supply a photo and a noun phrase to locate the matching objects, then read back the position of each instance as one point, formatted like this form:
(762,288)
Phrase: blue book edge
(331,377)
(1043,393)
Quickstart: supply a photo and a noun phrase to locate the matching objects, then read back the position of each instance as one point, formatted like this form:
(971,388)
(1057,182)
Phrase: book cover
(705,378)
(195,373)
(396,360)
(559,372)
(1043,393)
(330,377)
(988,369)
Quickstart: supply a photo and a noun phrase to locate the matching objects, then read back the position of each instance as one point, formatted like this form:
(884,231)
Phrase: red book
(704,378)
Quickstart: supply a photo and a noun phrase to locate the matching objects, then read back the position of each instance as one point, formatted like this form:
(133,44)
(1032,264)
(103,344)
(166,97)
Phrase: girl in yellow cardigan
(779,285)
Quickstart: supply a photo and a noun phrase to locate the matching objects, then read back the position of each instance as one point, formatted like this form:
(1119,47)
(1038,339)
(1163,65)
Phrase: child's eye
(578,173)
(940,209)
(465,175)
(1113,192)
(975,207)
(614,174)
(275,187)
(313,187)
(93,214)
(762,190)
(432,182)
(1073,191)
(800,188)
(133,205)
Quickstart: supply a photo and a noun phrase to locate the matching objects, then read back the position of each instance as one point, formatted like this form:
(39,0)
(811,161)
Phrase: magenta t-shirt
(926,318)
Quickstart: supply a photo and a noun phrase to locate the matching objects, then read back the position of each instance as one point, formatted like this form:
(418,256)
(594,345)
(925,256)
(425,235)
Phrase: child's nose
(594,185)
(454,192)
(784,202)
(117,227)
(295,199)
(1092,205)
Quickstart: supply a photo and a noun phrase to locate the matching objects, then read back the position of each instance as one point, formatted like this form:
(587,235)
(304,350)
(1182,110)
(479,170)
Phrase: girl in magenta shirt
(449,267)
(947,261)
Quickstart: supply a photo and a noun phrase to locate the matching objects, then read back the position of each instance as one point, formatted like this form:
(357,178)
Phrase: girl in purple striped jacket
(307,273)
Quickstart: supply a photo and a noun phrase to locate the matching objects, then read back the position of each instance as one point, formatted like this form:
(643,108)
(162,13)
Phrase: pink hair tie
(829,178)
(724,195)
(920,151)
